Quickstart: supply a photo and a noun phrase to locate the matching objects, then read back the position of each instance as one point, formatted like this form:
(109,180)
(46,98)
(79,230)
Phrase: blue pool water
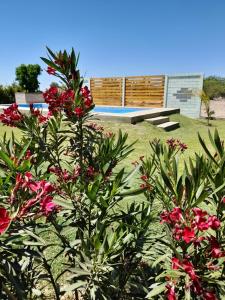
(100,109)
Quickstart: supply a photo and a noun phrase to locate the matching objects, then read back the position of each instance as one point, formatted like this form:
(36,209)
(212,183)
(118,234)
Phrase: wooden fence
(137,91)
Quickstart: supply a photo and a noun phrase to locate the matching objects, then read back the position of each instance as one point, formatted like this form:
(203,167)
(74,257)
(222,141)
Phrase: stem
(48,268)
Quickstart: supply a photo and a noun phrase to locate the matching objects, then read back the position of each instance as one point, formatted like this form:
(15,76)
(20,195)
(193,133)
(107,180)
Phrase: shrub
(193,205)
(65,198)
(7,93)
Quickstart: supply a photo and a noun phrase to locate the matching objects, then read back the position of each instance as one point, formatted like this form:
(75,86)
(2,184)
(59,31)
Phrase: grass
(143,132)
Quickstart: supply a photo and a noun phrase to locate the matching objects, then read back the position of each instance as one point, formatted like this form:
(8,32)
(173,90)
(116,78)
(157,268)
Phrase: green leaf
(7,160)
(24,150)
(73,286)
(157,289)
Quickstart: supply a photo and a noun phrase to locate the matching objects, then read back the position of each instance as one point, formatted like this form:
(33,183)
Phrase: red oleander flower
(11,116)
(144,177)
(188,234)
(175,215)
(223,199)
(189,269)
(51,70)
(209,296)
(214,222)
(36,112)
(182,146)
(201,219)
(47,206)
(175,263)
(215,250)
(79,112)
(170,293)
(85,92)
(171,143)
(52,98)
(90,171)
(4,220)
(88,102)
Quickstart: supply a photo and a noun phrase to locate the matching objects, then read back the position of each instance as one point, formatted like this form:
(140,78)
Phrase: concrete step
(169,126)
(158,120)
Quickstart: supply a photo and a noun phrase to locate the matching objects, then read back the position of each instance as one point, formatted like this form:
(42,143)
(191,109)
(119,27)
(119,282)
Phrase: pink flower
(188,234)
(47,205)
(4,220)
(51,70)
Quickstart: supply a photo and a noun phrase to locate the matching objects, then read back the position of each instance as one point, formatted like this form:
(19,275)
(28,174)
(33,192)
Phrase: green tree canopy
(27,76)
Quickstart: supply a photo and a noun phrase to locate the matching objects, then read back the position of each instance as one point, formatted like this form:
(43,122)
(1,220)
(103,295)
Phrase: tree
(27,76)
(206,102)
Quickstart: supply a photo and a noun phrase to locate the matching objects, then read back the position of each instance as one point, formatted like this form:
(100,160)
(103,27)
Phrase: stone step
(169,126)
(158,120)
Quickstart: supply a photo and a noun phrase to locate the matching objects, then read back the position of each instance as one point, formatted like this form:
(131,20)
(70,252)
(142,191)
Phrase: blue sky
(115,37)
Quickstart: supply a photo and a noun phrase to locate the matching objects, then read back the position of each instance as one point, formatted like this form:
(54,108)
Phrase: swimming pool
(97,109)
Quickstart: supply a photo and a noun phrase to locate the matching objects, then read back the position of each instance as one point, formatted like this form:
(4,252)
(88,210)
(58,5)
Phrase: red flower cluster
(170,293)
(146,184)
(196,284)
(52,98)
(86,94)
(64,175)
(36,112)
(4,220)
(11,116)
(41,192)
(186,225)
(95,127)
(176,144)
(58,101)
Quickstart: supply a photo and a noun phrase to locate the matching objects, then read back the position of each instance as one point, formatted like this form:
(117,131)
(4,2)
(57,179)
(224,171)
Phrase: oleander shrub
(192,252)
(74,226)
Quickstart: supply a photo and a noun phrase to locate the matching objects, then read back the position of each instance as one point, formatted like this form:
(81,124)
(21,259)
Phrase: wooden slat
(145,91)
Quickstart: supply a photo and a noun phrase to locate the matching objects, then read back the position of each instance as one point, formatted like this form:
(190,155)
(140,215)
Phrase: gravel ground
(218,106)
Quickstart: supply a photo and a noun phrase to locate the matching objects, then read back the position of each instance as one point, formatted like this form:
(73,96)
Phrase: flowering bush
(64,230)
(64,182)
(193,216)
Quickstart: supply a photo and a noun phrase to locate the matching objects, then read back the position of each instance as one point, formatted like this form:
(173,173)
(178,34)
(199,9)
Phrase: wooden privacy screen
(106,91)
(145,91)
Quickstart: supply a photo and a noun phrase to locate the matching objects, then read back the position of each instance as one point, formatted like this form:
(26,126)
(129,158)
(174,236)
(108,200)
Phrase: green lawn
(143,132)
